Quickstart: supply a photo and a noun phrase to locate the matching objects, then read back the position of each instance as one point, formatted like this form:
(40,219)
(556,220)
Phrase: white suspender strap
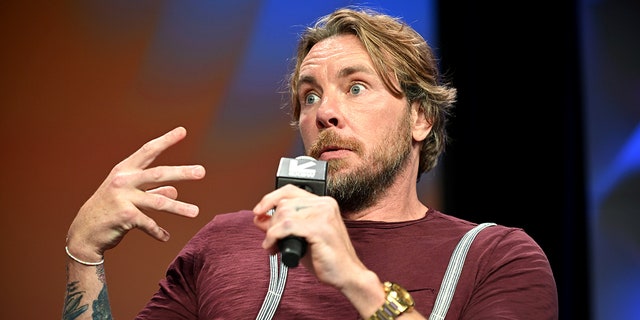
(276,288)
(450,280)
(277,281)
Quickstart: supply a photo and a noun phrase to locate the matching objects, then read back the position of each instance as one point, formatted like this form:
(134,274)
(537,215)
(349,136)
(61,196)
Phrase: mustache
(329,140)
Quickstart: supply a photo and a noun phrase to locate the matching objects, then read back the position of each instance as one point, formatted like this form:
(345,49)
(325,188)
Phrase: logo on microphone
(303,170)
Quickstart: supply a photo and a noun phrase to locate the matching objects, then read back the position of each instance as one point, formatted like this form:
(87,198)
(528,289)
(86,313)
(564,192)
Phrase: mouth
(331,146)
(332,152)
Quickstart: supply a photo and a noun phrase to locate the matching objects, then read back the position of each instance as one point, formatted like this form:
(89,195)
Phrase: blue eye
(311,99)
(356,89)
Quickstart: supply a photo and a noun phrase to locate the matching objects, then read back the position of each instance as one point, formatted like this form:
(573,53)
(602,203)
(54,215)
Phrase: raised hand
(131,190)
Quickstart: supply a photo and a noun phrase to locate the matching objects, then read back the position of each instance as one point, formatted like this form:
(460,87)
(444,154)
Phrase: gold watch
(397,302)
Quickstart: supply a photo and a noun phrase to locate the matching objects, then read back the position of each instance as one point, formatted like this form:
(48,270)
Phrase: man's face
(351,120)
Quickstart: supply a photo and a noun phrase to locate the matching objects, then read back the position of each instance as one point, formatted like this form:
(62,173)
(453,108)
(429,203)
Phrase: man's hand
(330,254)
(131,189)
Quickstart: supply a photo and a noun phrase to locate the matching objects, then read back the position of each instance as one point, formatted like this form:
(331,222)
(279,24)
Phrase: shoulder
(494,245)
(509,266)
(500,239)
(503,252)
(491,237)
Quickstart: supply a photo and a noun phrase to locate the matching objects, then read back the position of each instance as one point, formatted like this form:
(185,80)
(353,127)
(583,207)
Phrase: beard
(360,188)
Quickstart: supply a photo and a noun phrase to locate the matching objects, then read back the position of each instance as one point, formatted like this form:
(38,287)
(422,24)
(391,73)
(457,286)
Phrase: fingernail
(166,235)
(193,211)
(198,171)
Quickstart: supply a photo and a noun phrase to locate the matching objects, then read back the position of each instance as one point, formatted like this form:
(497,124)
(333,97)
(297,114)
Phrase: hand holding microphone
(301,213)
(309,174)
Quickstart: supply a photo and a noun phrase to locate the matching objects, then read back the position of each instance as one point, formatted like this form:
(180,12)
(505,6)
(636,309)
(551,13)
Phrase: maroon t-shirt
(223,272)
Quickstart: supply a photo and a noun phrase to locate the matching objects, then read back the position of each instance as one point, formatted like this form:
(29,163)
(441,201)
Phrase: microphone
(309,174)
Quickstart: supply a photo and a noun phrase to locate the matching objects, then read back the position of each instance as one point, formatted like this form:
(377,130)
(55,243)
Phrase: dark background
(516,156)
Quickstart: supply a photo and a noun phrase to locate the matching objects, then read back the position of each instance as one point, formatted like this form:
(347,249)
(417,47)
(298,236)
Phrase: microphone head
(304,172)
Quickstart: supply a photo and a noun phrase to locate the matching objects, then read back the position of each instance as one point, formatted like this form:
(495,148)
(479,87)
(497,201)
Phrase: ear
(420,125)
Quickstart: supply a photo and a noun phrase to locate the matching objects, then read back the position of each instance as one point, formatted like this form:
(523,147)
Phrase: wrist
(81,261)
(397,301)
(75,252)
(365,292)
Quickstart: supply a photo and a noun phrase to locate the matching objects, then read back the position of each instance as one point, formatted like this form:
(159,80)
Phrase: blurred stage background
(546,135)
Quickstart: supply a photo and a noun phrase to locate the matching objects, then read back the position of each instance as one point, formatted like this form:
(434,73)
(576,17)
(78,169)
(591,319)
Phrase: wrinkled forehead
(338,52)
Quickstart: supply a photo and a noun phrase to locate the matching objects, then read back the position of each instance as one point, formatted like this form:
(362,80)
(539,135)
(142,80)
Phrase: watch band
(398,301)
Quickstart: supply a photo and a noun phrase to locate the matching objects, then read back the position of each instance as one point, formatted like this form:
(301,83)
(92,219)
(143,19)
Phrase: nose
(328,113)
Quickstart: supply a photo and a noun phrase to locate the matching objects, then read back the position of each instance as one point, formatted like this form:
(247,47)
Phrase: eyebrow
(311,80)
(343,73)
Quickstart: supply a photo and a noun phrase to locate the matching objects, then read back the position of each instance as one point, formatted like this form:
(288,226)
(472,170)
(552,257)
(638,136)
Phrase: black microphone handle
(292,249)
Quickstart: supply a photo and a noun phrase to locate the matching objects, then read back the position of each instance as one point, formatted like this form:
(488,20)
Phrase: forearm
(86,295)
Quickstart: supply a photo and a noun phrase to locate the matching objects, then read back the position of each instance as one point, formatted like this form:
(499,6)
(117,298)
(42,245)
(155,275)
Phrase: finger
(156,176)
(150,201)
(290,219)
(167,191)
(151,227)
(272,199)
(144,156)
(285,225)
(262,221)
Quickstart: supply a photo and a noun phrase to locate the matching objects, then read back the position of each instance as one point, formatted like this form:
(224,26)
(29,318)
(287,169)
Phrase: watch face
(399,294)
(398,301)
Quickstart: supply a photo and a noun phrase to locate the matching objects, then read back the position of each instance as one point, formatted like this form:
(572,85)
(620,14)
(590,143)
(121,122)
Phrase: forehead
(338,49)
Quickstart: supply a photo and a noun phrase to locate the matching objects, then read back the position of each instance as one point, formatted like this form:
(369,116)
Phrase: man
(367,98)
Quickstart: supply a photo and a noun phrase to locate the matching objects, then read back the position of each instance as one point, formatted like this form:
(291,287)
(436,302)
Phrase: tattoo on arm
(101,307)
(72,308)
